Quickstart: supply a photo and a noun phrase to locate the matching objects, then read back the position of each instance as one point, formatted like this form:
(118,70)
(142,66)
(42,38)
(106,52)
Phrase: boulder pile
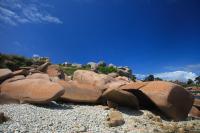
(30,85)
(47,82)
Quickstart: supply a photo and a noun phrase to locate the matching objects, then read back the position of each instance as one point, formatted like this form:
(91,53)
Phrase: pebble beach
(73,118)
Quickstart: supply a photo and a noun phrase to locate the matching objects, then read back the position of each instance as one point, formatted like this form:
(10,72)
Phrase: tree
(106,69)
(133,77)
(149,78)
(158,79)
(197,79)
(190,81)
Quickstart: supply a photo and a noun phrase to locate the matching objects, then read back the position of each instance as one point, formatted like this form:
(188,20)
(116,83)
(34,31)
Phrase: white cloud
(175,75)
(193,67)
(16,12)
(35,56)
(140,76)
(190,68)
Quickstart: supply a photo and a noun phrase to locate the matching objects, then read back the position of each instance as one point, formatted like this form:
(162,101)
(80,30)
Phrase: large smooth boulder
(90,77)
(54,79)
(15,78)
(21,72)
(32,90)
(197,103)
(133,86)
(55,71)
(34,70)
(113,74)
(5,99)
(80,92)
(4,74)
(124,71)
(121,97)
(115,84)
(123,78)
(93,66)
(39,76)
(194,112)
(43,67)
(172,100)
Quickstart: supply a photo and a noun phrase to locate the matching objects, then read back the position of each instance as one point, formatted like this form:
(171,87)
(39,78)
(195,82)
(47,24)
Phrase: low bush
(106,69)
(14,62)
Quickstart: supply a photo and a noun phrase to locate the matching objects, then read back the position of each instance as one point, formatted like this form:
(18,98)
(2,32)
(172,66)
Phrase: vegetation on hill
(14,62)
(149,78)
(69,70)
(197,79)
(152,78)
(189,83)
(106,69)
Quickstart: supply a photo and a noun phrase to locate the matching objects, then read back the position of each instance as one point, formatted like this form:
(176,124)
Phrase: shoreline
(74,118)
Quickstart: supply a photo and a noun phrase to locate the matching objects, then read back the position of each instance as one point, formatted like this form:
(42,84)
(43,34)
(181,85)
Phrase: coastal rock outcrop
(55,71)
(194,112)
(122,98)
(32,90)
(15,78)
(90,77)
(4,74)
(80,92)
(21,72)
(39,76)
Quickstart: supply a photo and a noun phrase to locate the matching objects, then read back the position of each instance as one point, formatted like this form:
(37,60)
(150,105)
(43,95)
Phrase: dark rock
(3,118)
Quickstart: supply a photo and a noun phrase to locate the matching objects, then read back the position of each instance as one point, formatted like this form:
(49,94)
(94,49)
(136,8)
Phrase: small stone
(3,118)
(115,119)
(82,129)
(105,107)
(157,119)
(155,130)
(181,130)
(189,126)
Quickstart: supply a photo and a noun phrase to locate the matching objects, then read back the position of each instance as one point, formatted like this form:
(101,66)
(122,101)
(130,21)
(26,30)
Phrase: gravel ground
(70,118)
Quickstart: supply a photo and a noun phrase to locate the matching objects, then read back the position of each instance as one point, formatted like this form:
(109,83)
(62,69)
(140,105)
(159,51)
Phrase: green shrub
(149,78)
(14,62)
(133,78)
(86,67)
(70,70)
(106,69)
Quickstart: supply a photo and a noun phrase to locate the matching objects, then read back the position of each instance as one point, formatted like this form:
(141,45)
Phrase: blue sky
(160,37)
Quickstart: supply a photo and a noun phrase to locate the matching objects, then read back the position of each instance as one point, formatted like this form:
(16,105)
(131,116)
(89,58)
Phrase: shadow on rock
(55,106)
(129,111)
(4,99)
(146,103)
